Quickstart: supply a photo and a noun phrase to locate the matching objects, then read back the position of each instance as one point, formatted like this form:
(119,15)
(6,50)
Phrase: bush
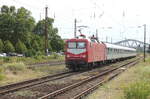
(1,70)
(35,45)
(10,59)
(20,47)
(1,46)
(8,47)
(139,90)
(14,67)
(2,76)
(55,55)
(30,52)
(39,53)
(37,57)
(6,59)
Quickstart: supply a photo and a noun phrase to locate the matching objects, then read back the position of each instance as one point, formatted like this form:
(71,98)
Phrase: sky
(114,19)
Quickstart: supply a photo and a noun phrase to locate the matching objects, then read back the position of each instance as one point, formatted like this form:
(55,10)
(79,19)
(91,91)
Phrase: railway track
(46,63)
(24,84)
(89,90)
(80,89)
(31,84)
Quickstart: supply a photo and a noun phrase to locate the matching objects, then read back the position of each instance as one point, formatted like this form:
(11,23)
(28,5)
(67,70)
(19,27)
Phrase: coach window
(111,50)
(108,50)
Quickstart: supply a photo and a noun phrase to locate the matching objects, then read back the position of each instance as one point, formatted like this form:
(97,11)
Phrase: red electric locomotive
(83,53)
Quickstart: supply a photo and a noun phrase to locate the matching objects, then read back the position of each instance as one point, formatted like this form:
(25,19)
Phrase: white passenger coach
(116,52)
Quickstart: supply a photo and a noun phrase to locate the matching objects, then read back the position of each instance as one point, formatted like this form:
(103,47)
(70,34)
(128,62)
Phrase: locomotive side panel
(96,52)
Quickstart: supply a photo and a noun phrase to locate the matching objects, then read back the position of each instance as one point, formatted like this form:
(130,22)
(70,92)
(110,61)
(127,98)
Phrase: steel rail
(46,64)
(57,92)
(86,92)
(20,85)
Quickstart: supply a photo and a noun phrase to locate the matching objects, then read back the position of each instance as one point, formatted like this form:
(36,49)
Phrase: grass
(14,67)
(50,69)
(140,89)
(31,60)
(134,83)
(16,72)
(2,76)
(137,90)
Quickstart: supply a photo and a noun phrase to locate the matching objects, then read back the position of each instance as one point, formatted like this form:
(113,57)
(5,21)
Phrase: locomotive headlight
(84,56)
(68,56)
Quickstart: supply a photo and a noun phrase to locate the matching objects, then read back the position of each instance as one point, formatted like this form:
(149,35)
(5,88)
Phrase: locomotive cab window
(76,45)
(81,45)
(72,44)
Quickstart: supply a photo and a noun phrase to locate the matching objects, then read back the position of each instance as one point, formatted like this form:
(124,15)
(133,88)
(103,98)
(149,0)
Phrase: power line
(21,3)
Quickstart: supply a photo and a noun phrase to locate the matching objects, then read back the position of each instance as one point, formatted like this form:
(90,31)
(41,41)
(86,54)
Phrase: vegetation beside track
(16,72)
(32,60)
(131,84)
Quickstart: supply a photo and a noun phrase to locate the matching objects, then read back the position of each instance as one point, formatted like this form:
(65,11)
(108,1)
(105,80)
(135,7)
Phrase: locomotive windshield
(72,45)
(81,45)
(77,45)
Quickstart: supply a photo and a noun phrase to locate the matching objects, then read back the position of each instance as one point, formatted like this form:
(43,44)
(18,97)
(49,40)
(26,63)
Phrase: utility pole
(46,34)
(111,40)
(96,33)
(40,16)
(144,40)
(106,39)
(75,28)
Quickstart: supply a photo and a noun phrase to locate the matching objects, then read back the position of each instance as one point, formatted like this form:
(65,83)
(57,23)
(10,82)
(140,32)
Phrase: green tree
(8,47)
(20,47)
(57,43)
(5,9)
(24,25)
(40,27)
(7,23)
(50,47)
(37,42)
(16,24)
(35,45)
(30,52)
(1,46)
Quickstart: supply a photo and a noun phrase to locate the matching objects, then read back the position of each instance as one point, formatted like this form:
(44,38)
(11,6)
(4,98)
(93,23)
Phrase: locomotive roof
(118,47)
(75,39)
(108,45)
(84,39)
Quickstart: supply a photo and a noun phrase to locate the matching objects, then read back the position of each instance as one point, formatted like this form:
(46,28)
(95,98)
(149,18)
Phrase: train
(89,52)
